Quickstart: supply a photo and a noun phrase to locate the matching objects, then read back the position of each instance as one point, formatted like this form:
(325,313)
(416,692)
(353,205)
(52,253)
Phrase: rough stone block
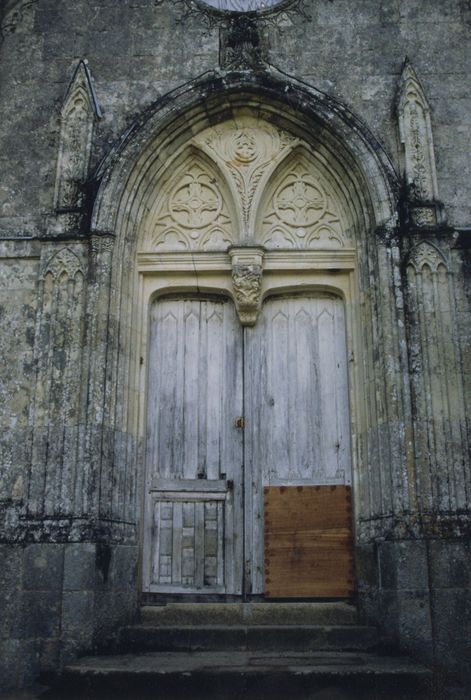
(387,552)
(366,567)
(77,613)
(79,567)
(113,610)
(388,618)
(412,571)
(71,648)
(9,615)
(450,564)
(124,568)
(19,663)
(452,625)
(403,565)
(105,618)
(43,565)
(415,623)
(11,570)
(11,567)
(40,614)
(50,655)
(368,606)
(9,651)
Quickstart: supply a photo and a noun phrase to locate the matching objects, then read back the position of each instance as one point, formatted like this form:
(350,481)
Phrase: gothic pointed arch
(279,100)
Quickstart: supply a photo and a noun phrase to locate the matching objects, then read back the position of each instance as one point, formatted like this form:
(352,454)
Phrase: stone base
(59,600)
(418,594)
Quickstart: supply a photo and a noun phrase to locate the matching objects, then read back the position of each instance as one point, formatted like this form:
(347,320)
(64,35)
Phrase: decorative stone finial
(415,129)
(78,114)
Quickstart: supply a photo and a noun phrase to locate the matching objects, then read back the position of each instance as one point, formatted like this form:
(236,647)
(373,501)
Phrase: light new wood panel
(308,542)
(194,450)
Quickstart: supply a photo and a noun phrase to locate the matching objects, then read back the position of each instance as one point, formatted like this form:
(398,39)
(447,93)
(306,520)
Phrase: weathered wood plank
(177,532)
(308,542)
(298,395)
(202,485)
(199,545)
(194,452)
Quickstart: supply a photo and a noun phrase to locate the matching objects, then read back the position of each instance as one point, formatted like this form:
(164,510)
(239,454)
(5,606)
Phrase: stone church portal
(234,323)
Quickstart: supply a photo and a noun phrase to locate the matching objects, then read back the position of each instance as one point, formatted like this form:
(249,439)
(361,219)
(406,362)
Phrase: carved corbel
(247,273)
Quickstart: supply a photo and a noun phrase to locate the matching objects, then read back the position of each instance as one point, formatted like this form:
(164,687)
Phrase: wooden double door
(247,439)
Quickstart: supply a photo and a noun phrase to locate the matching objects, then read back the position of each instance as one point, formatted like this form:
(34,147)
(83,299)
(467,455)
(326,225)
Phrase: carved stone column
(57,410)
(101,248)
(247,272)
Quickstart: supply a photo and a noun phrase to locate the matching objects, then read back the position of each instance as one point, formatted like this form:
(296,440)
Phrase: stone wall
(69,495)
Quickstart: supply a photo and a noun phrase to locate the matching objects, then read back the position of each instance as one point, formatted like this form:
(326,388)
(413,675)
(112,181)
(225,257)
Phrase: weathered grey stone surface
(71,455)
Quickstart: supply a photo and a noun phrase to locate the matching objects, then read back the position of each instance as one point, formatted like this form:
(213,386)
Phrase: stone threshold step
(250,613)
(246,637)
(234,675)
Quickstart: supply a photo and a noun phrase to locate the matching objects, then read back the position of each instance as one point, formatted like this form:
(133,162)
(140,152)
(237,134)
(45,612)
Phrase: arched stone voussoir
(144,149)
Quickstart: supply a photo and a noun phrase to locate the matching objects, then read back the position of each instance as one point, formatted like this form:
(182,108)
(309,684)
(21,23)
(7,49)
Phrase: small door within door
(297,450)
(193,531)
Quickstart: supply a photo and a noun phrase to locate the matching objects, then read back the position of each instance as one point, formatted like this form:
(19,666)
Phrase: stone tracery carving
(415,129)
(246,151)
(195,203)
(299,201)
(192,213)
(64,261)
(300,213)
(246,181)
(426,254)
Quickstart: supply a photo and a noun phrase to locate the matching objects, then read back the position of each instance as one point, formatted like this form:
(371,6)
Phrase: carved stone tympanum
(246,181)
